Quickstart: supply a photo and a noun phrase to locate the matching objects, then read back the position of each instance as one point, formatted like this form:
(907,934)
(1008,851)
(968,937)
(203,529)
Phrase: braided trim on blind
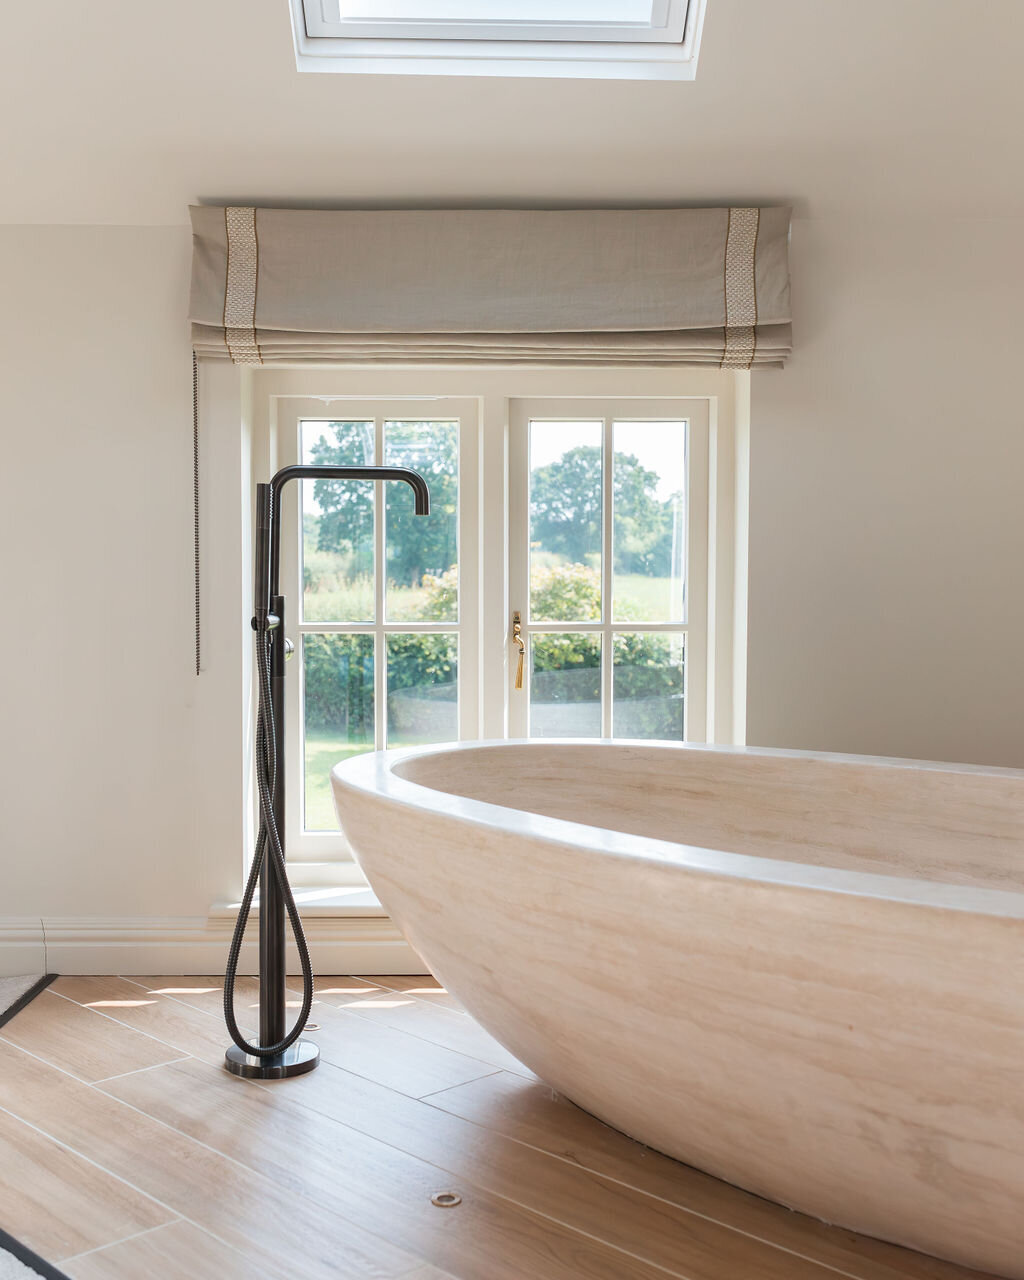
(740,289)
(240,285)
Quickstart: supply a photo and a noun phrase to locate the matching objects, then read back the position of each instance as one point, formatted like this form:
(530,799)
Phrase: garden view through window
(603,547)
(607,548)
(381,586)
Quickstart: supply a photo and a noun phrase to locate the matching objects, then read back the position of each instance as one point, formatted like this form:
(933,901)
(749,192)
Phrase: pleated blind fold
(500,286)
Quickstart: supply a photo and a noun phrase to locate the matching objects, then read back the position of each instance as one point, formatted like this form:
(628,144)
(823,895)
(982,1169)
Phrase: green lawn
(648,596)
(354,602)
(323,751)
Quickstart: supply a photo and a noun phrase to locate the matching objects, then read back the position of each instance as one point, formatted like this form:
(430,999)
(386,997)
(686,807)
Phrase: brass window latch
(517,638)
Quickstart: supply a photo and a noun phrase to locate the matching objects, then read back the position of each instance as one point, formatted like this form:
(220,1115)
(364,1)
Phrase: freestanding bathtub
(801,973)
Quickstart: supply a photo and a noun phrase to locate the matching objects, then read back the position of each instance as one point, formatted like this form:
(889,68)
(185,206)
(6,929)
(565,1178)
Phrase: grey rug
(17,1262)
(15,993)
(12,989)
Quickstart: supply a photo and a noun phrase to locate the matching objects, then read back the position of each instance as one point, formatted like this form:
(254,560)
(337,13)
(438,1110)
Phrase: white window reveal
(633,39)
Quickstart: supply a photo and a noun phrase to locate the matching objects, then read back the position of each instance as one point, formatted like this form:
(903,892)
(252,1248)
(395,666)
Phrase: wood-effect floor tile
(396,1058)
(81,1041)
(207,994)
(421,985)
(330,1174)
(663,1233)
(403,1062)
(244,1208)
(344,1171)
(534,1114)
(404,1012)
(58,1203)
(184,1029)
(181,1251)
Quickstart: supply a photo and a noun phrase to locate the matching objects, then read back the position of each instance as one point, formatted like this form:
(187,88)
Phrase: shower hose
(268,844)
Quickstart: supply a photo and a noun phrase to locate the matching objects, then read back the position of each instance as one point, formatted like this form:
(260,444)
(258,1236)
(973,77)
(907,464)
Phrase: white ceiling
(844,106)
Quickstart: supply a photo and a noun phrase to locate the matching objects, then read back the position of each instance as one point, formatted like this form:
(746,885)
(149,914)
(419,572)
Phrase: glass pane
(647,686)
(422,551)
(566,514)
(496,10)
(565,685)
(649,521)
(338,682)
(422,689)
(337,525)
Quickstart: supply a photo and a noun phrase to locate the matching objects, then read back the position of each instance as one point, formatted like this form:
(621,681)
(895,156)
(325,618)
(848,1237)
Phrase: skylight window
(634,39)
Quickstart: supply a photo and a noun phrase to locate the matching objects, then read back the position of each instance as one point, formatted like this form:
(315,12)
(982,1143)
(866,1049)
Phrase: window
(605,20)
(632,38)
(384,601)
(601,520)
(608,557)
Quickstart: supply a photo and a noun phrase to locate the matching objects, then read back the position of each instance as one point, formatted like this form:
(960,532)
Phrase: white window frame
(666,48)
(693,625)
(323,19)
(717,407)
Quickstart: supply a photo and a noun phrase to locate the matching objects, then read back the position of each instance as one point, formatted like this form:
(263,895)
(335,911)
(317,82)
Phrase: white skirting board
(192,945)
(21,946)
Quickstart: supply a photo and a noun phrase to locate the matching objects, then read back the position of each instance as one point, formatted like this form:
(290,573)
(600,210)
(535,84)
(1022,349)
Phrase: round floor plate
(297,1059)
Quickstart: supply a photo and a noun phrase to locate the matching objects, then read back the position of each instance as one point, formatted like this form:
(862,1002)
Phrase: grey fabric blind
(499,286)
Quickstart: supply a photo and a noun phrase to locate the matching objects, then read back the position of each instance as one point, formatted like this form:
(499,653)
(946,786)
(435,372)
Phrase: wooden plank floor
(127,1152)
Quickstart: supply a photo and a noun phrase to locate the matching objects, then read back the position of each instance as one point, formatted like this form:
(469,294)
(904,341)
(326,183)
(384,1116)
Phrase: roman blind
(498,286)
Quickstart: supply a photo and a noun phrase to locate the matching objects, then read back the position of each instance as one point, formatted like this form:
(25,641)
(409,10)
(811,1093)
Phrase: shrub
(565,593)
(441,602)
(339,684)
(339,668)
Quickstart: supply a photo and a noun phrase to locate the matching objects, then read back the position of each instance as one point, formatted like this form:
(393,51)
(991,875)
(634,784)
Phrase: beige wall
(887,524)
(113,782)
(887,496)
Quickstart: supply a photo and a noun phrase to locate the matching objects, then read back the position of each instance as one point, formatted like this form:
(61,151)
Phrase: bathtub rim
(374,773)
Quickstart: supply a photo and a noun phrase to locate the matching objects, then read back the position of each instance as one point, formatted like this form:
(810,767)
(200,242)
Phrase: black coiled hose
(269,837)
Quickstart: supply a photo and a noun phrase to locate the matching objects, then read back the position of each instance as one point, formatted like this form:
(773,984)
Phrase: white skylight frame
(598,20)
(605,46)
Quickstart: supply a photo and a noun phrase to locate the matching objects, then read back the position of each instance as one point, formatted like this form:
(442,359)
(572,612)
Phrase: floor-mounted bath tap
(279,1053)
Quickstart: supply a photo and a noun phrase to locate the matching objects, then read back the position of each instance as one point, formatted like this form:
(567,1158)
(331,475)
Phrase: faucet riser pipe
(273,964)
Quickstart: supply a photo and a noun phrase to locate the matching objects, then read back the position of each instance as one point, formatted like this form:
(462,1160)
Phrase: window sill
(546,62)
(325,903)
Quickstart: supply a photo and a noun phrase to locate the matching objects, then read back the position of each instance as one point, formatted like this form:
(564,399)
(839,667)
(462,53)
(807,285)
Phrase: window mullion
(380,663)
(607,498)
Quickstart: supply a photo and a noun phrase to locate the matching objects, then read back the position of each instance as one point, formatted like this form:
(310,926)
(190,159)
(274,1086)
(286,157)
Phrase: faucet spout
(412,478)
(270,513)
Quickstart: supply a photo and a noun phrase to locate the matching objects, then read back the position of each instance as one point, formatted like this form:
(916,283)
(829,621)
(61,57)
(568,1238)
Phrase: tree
(565,504)
(566,511)
(346,522)
(416,545)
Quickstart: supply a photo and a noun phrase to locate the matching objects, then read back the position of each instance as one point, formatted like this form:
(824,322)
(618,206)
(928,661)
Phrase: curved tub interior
(803,974)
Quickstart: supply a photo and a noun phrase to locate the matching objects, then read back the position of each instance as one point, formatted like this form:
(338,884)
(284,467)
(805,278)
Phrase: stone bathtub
(801,973)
